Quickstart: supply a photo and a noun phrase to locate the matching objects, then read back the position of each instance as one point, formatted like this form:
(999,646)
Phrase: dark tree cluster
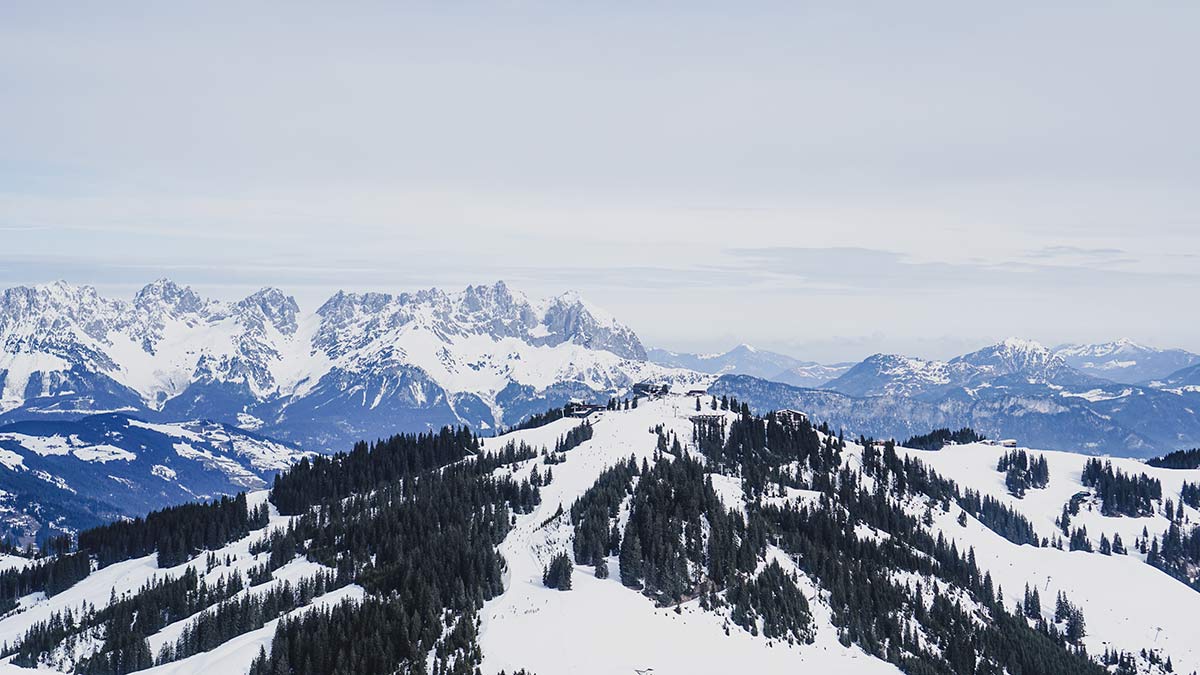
(1190,494)
(708,435)
(1180,459)
(1121,494)
(126,622)
(773,600)
(731,403)
(372,636)
(1070,618)
(367,467)
(903,476)
(879,614)
(512,453)
(765,451)
(622,404)
(539,419)
(940,438)
(1178,554)
(573,438)
(177,533)
(1023,472)
(999,518)
(557,574)
(663,550)
(402,518)
(666,443)
(215,626)
(425,548)
(51,576)
(594,514)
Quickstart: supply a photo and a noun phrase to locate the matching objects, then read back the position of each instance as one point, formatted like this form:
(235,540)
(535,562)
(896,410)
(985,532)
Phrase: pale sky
(823,181)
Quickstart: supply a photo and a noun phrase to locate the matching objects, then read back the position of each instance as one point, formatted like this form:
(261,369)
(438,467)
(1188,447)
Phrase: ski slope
(128,576)
(1127,603)
(602,627)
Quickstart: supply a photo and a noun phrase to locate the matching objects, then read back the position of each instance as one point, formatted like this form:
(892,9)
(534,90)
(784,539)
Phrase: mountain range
(367,365)
(363,365)
(1015,388)
(1126,361)
(746,360)
(59,476)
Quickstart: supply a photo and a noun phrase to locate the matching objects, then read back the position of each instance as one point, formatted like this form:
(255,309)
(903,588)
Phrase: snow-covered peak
(63,340)
(1121,347)
(274,306)
(1015,356)
(894,374)
(1126,360)
(166,295)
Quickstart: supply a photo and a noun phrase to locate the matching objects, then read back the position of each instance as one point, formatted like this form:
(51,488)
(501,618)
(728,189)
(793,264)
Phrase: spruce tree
(631,560)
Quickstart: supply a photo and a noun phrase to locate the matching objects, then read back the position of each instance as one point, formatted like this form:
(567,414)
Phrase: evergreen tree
(631,561)
(558,573)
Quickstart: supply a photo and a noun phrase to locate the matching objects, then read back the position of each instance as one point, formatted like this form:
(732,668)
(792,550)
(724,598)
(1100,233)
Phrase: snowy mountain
(1126,361)
(62,476)
(895,375)
(1121,420)
(746,360)
(1011,363)
(1019,360)
(360,366)
(1182,380)
(652,542)
(811,374)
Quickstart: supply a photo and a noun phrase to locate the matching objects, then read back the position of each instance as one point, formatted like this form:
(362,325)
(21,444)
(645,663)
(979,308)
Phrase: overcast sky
(827,182)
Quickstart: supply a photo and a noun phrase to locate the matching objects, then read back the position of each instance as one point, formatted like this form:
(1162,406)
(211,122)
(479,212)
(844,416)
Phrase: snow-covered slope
(62,476)
(603,626)
(127,578)
(1126,361)
(1182,380)
(1146,607)
(361,365)
(579,629)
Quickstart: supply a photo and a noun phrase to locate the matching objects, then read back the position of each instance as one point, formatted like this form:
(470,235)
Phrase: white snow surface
(70,445)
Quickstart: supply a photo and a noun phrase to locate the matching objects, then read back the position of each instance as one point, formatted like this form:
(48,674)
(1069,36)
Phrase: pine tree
(557,574)
(601,568)
(631,561)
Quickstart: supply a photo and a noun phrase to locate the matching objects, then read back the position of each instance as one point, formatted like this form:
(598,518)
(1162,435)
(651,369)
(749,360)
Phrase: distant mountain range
(361,366)
(746,360)
(60,476)
(1016,388)
(1126,361)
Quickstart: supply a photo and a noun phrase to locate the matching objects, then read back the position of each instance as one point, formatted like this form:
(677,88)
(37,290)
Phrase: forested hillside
(672,533)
